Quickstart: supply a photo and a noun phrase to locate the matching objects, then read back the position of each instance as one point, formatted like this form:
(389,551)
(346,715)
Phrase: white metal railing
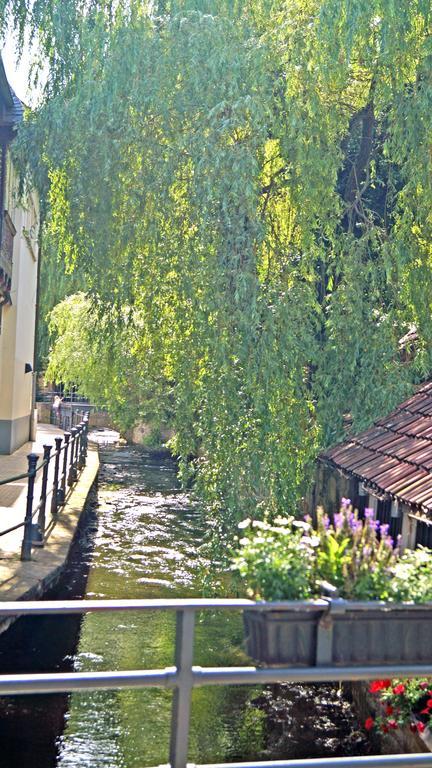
(184,675)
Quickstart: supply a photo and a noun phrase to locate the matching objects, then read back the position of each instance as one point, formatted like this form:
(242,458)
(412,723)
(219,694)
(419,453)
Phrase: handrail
(74,450)
(184,676)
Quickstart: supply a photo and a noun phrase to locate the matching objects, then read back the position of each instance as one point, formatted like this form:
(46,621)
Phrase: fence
(66,463)
(67,416)
(184,676)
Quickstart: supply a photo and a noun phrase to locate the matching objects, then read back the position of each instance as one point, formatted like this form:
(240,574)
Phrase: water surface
(143,540)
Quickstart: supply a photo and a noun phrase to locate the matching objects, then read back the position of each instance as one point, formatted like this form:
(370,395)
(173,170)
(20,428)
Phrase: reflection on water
(146,543)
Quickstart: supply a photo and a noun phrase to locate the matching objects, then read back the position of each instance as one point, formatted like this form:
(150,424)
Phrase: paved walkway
(30,580)
(13,496)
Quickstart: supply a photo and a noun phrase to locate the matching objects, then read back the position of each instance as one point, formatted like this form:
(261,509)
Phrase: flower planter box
(340,633)
(282,637)
(393,635)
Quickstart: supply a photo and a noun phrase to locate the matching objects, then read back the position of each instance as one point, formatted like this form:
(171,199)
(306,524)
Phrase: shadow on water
(30,725)
(143,541)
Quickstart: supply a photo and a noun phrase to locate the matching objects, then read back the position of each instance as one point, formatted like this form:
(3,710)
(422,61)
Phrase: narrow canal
(143,540)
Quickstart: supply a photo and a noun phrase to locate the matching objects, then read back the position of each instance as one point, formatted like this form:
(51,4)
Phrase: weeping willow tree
(249,184)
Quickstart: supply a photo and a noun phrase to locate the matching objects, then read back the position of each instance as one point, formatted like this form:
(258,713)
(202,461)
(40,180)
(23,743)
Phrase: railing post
(81,456)
(42,501)
(78,448)
(26,546)
(55,489)
(72,471)
(182,697)
(65,464)
(86,426)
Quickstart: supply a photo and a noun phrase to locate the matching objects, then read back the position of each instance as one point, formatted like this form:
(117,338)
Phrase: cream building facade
(19,233)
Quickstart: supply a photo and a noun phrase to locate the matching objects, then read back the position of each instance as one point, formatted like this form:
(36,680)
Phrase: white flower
(302,524)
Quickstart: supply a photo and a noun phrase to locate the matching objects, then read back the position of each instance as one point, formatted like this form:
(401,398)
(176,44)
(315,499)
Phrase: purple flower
(384,529)
(369,513)
(339,520)
(345,502)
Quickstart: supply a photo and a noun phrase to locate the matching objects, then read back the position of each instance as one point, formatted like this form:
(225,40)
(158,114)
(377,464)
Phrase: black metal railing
(67,416)
(59,470)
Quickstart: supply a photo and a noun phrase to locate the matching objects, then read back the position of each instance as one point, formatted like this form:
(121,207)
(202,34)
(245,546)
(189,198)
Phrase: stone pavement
(29,580)
(13,496)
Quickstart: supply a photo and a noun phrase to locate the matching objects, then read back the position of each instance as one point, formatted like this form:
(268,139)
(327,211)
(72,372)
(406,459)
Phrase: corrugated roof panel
(345,452)
(371,434)
(332,452)
(416,486)
(404,481)
(375,465)
(395,444)
(427,463)
(358,457)
(420,456)
(399,419)
(411,445)
(424,492)
(395,455)
(427,504)
(425,406)
(411,424)
(385,441)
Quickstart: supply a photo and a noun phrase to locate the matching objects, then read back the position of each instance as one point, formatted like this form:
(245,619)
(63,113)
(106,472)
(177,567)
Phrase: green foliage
(55,285)
(276,561)
(412,577)
(94,352)
(356,556)
(291,560)
(406,702)
(251,184)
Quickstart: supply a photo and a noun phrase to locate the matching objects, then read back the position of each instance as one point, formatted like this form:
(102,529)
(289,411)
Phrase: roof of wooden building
(394,457)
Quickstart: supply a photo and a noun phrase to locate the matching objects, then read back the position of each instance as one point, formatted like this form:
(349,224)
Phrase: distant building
(19,224)
(389,468)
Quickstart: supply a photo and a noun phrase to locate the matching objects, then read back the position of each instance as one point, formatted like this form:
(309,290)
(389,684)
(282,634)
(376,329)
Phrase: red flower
(379,685)
(384,728)
(398,689)
(392,724)
(413,728)
(420,727)
(429,703)
(425,711)
(369,723)
(389,709)
(423,685)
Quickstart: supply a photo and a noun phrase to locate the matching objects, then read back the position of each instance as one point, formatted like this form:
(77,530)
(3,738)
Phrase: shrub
(401,703)
(277,561)
(290,559)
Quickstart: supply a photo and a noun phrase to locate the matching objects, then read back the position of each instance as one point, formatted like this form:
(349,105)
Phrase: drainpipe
(33,417)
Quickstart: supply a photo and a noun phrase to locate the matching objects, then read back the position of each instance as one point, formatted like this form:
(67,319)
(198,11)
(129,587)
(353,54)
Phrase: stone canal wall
(30,580)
